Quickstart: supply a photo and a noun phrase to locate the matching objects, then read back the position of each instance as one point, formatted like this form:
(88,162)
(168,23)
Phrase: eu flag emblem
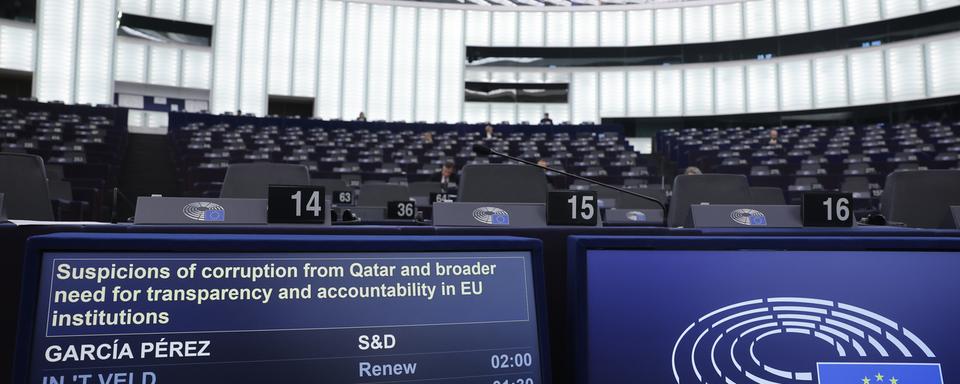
(213,215)
(876,373)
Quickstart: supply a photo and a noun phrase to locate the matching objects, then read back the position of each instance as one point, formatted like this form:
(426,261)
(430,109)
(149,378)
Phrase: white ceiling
(554,3)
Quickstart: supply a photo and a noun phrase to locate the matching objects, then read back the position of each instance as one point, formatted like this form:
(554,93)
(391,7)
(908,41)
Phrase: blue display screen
(164,317)
(757,316)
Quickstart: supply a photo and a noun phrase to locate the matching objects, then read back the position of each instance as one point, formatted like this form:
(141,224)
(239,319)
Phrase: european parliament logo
(747,216)
(204,211)
(491,215)
(636,216)
(731,344)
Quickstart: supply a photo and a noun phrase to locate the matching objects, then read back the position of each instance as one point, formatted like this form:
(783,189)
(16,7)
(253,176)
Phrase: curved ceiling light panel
(542,3)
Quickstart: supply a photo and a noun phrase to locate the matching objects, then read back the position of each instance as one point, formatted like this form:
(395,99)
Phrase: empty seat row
(82,147)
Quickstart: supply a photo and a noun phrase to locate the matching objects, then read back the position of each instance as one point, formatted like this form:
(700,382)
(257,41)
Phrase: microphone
(113,209)
(483,150)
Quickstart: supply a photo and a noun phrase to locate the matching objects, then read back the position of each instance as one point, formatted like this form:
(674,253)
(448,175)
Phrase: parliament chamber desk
(555,244)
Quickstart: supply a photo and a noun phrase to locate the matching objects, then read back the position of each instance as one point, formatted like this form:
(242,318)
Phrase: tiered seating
(399,153)
(82,147)
(804,157)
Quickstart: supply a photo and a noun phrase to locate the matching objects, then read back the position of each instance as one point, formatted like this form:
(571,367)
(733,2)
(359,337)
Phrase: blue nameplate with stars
(876,373)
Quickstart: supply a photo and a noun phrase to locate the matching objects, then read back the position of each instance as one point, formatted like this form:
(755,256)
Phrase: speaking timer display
(229,316)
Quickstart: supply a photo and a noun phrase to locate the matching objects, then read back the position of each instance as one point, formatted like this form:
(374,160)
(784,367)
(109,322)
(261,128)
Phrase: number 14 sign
(296,204)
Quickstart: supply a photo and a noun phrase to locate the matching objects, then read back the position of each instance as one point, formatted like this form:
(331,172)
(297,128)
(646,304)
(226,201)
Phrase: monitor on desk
(153,309)
(766,310)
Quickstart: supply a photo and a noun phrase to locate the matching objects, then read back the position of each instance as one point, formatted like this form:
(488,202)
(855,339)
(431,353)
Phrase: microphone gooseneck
(483,150)
(118,196)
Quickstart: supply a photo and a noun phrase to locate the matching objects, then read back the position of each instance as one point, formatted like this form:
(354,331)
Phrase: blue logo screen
(757,316)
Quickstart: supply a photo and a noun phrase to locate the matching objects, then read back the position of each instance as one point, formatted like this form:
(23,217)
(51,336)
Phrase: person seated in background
(488,132)
(427,137)
(447,177)
(554,180)
(774,136)
(692,171)
(546,120)
(362,117)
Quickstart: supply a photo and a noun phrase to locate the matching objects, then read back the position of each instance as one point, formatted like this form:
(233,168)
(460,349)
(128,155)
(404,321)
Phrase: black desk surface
(12,238)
